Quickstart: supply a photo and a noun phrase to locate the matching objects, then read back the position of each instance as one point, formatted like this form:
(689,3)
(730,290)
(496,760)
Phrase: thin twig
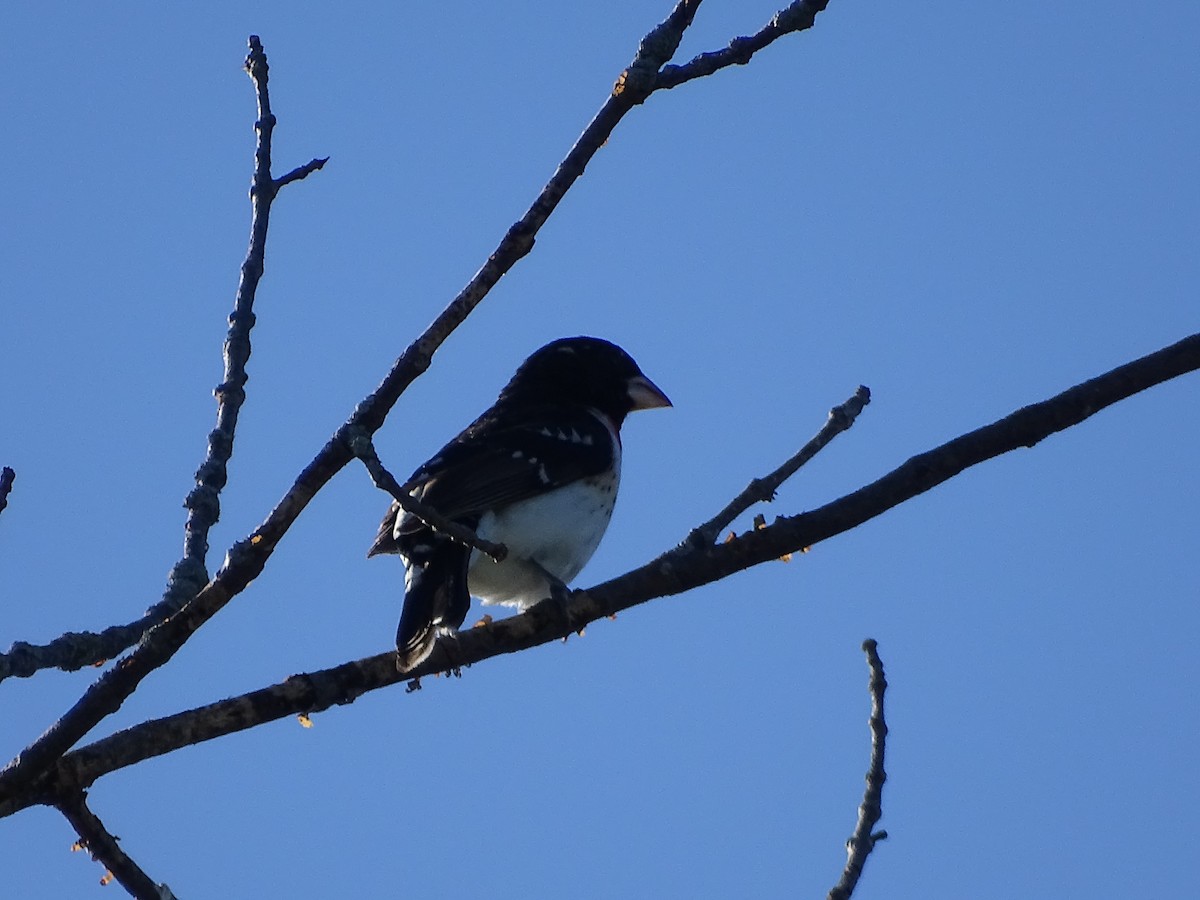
(79,649)
(247,558)
(762,490)
(678,570)
(364,449)
(301,172)
(798,16)
(7,477)
(863,841)
(103,846)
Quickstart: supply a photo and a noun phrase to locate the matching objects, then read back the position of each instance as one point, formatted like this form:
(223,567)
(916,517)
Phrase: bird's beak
(645,394)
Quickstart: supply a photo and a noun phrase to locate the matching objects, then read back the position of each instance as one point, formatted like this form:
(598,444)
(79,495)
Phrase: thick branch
(863,841)
(95,838)
(685,567)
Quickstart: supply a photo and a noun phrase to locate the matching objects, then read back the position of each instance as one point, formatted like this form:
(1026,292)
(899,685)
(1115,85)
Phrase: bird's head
(586,371)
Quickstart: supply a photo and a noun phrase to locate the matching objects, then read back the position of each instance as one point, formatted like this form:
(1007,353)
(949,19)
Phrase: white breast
(558,531)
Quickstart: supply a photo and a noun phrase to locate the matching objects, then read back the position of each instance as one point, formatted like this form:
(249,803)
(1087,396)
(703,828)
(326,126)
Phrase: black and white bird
(537,472)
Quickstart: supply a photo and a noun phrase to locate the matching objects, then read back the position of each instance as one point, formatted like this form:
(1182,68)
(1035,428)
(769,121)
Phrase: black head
(584,371)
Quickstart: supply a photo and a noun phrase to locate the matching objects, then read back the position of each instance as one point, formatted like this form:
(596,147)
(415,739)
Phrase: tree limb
(680,569)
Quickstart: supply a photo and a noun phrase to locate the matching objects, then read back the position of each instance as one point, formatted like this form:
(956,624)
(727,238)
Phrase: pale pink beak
(645,394)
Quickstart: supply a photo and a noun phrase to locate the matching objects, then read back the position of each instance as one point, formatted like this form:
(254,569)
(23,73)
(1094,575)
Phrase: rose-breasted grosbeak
(538,473)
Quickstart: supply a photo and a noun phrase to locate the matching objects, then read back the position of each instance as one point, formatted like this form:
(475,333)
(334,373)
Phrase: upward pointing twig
(79,649)
(762,490)
(863,841)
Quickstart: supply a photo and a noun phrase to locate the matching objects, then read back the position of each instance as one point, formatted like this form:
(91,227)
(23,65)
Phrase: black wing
(498,461)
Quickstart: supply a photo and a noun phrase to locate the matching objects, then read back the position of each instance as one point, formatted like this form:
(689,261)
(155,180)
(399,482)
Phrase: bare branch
(301,172)
(79,649)
(798,16)
(762,490)
(678,570)
(7,477)
(190,574)
(863,841)
(75,650)
(95,838)
(364,449)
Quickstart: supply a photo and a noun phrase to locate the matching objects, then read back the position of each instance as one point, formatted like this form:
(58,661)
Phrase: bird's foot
(448,641)
(558,607)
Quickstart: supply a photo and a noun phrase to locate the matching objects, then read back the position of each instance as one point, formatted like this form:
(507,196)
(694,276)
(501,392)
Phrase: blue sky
(966,207)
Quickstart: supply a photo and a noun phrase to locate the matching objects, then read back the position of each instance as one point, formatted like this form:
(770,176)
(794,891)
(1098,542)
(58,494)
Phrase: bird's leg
(448,641)
(558,604)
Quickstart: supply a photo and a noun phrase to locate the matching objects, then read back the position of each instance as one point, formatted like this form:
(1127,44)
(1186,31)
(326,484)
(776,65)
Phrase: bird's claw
(558,607)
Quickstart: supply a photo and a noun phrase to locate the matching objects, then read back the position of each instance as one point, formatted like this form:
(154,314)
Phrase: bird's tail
(414,640)
(436,599)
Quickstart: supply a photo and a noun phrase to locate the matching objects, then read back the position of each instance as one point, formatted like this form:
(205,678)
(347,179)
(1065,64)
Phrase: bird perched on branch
(537,472)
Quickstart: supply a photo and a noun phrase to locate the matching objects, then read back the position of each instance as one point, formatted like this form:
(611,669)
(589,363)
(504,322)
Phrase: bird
(537,472)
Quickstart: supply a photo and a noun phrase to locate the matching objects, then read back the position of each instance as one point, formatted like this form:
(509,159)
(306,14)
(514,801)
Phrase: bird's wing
(498,461)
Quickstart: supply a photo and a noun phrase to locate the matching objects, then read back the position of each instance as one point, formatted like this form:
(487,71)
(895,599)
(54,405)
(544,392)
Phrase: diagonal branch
(75,650)
(762,490)
(678,570)
(103,846)
(364,449)
(863,841)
